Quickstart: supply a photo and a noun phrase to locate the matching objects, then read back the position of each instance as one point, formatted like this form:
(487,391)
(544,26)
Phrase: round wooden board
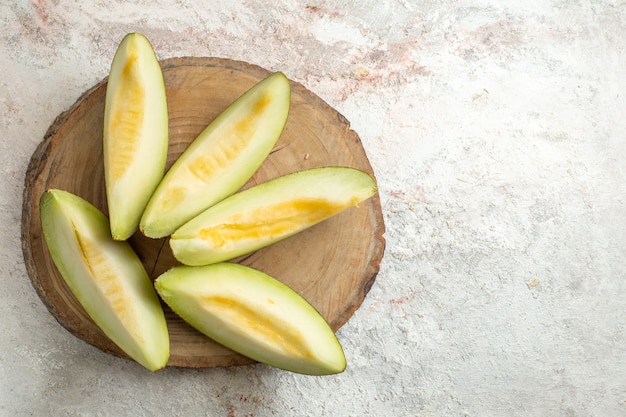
(332,264)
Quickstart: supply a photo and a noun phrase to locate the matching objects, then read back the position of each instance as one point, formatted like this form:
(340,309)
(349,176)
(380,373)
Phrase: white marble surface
(497,133)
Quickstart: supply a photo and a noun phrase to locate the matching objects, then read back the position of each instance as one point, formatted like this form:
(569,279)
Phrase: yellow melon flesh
(274,220)
(135,133)
(269,212)
(106,277)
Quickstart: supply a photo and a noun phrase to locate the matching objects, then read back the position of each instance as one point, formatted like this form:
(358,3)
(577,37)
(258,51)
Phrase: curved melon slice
(106,276)
(269,212)
(135,133)
(254,315)
(222,158)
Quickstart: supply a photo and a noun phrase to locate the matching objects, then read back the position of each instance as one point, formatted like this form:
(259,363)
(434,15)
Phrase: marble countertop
(497,134)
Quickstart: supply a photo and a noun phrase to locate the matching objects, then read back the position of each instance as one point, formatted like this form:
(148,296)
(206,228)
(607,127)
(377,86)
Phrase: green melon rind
(66,220)
(253,314)
(346,187)
(128,196)
(183,193)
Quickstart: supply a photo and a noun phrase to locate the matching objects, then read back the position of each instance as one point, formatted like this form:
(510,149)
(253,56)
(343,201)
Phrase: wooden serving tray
(333,265)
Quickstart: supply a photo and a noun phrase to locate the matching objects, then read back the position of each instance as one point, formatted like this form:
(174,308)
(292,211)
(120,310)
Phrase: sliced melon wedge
(253,314)
(135,133)
(222,158)
(106,276)
(269,212)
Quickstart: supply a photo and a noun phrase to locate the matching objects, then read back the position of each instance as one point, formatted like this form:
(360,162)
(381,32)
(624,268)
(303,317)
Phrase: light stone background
(497,133)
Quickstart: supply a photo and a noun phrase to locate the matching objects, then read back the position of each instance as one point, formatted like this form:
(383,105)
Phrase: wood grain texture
(332,264)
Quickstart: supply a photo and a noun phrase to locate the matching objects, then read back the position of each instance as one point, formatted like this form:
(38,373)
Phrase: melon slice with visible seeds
(106,276)
(135,133)
(253,314)
(222,158)
(269,212)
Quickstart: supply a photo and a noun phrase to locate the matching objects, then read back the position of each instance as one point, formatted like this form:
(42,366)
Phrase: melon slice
(135,133)
(269,212)
(222,158)
(106,276)
(253,314)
